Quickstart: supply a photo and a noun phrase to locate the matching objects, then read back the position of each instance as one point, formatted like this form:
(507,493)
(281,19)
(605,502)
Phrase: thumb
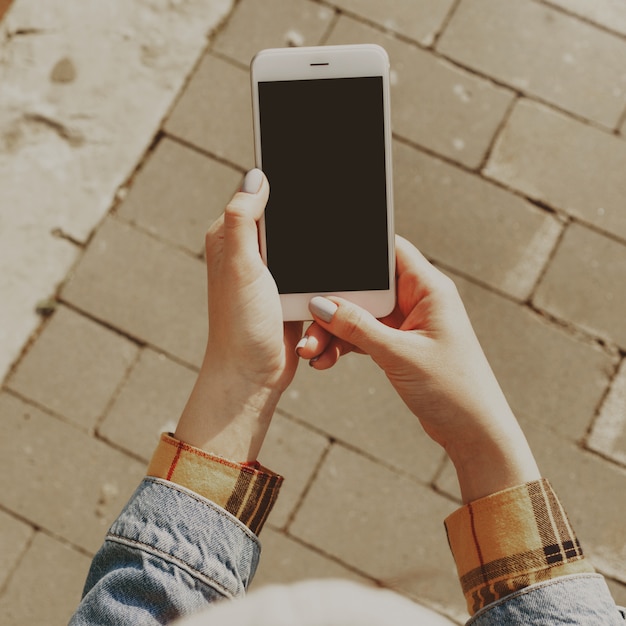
(354,325)
(242,214)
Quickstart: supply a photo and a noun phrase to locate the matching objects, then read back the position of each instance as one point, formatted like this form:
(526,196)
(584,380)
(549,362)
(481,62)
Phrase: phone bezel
(319,62)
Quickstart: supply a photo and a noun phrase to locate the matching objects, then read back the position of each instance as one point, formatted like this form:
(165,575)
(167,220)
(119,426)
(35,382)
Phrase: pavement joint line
(331,25)
(116,393)
(140,343)
(446,21)
(207,153)
(197,256)
(309,484)
(497,133)
(533,292)
(580,18)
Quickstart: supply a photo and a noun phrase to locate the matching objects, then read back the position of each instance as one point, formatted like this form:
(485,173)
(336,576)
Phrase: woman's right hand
(430,353)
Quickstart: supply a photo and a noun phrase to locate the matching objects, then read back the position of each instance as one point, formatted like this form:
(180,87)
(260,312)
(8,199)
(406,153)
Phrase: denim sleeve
(170,553)
(577,600)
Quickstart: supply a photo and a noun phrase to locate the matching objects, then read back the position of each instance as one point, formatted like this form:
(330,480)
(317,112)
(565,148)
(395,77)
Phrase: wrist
(227,414)
(493,461)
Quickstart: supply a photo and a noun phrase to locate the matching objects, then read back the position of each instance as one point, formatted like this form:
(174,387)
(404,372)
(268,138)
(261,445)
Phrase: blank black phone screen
(323,152)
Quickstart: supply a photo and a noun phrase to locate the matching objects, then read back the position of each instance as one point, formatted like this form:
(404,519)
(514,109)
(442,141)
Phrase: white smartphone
(322,135)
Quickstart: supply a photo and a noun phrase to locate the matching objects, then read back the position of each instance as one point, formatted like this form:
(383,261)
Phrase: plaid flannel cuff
(247,491)
(510,540)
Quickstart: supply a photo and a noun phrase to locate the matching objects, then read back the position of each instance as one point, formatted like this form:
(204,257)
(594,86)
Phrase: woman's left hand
(250,358)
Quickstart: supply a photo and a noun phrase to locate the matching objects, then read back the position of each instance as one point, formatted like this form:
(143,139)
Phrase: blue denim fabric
(582,599)
(171,553)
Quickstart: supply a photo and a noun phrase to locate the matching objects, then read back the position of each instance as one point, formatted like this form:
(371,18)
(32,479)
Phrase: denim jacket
(173,552)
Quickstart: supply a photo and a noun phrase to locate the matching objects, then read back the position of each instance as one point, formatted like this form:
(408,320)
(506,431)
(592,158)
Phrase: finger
(314,342)
(353,324)
(242,214)
(331,354)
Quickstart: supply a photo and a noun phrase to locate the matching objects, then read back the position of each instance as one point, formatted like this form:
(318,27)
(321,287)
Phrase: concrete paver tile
(149,403)
(355,403)
(618,591)
(384,525)
(608,435)
(259,24)
(553,56)
(608,13)
(434,104)
(548,375)
(420,21)
(47,585)
(59,478)
(585,282)
(143,287)
(178,193)
(293,451)
(215,112)
(287,561)
(74,367)
(14,537)
(465,222)
(563,163)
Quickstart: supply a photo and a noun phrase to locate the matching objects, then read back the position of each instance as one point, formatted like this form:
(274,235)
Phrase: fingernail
(252,181)
(322,308)
(301,344)
(314,360)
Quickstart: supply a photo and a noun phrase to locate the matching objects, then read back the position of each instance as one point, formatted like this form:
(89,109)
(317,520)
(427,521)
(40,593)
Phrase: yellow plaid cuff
(510,540)
(246,491)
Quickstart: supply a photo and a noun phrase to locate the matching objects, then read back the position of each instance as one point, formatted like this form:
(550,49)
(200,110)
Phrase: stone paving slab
(294,451)
(532,156)
(554,57)
(215,112)
(585,284)
(258,24)
(61,373)
(147,404)
(46,586)
(547,374)
(419,21)
(144,288)
(286,560)
(434,104)
(608,435)
(59,478)
(15,536)
(462,221)
(368,415)
(178,194)
(382,524)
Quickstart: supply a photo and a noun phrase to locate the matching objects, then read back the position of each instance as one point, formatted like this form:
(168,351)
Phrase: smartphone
(322,135)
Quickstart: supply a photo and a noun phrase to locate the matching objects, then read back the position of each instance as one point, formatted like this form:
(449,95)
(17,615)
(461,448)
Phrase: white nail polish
(323,308)
(301,343)
(252,181)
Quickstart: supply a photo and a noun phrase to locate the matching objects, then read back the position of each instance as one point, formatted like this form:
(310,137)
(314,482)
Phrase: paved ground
(509,121)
